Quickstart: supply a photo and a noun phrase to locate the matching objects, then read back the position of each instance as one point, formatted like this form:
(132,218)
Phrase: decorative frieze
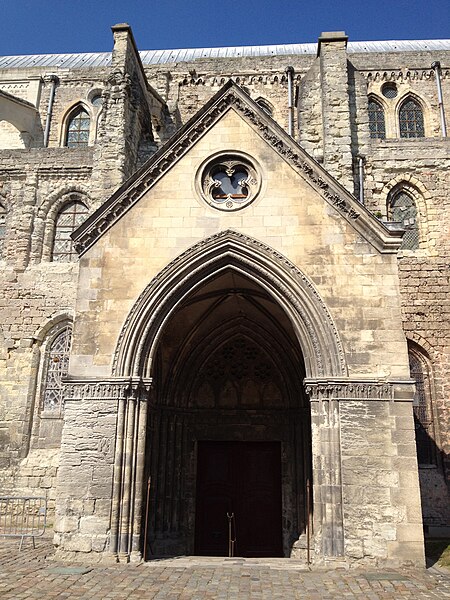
(267,78)
(403,75)
(111,389)
(359,390)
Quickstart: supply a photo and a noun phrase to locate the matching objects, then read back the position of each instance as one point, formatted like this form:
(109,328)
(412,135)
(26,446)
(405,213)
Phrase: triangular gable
(229,97)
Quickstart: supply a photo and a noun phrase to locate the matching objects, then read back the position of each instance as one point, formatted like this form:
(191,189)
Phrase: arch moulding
(295,293)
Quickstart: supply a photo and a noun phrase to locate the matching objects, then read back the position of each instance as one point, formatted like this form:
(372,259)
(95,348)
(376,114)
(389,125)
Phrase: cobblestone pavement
(33,574)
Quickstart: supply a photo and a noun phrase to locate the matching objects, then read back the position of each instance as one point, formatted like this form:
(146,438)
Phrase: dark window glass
(411,120)
(389,90)
(403,210)
(69,218)
(56,368)
(78,129)
(377,126)
(423,419)
(97,100)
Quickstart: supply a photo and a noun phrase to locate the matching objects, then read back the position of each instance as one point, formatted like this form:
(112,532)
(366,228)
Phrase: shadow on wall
(434,470)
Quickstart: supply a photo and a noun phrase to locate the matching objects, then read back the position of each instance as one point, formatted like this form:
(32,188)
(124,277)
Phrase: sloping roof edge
(176,55)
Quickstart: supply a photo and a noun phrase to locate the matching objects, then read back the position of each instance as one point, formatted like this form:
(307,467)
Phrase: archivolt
(188,364)
(294,292)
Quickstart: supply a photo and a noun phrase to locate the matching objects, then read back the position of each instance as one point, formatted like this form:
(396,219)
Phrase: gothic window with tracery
(56,367)
(423,417)
(69,218)
(377,125)
(238,374)
(2,228)
(78,129)
(411,119)
(402,208)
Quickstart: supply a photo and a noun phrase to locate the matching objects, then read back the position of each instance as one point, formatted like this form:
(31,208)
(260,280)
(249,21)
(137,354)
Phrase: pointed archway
(229,426)
(280,278)
(228,294)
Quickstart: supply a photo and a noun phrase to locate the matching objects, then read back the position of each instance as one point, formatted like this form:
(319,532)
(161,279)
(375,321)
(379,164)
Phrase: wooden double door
(242,479)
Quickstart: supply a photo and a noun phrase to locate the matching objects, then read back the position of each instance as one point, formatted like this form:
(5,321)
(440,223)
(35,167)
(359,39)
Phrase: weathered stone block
(93,525)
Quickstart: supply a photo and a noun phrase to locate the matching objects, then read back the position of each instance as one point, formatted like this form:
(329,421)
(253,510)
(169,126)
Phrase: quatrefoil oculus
(229,183)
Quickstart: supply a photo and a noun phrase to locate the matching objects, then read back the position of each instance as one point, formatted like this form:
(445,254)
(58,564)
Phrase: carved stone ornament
(349,390)
(228,182)
(113,388)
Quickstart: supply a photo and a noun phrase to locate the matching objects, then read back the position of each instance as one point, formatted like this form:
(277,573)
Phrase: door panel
(214,499)
(243,478)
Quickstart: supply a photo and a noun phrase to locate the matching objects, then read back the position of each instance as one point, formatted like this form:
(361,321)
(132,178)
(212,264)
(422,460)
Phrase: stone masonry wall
(379,483)
(85,476)
(35,291)
(422,167)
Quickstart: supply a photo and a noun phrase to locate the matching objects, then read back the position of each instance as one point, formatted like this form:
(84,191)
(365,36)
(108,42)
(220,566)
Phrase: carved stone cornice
(403,75)
(359,389)
(84,171)
(114,388)
(230,96)
(251,78)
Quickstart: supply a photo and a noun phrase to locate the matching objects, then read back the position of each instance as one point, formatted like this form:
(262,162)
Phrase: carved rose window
(229,183)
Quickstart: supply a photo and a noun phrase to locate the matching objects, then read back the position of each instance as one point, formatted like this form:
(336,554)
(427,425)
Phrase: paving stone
(35,574)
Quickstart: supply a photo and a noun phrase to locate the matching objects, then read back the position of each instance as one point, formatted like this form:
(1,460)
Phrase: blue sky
(54,26)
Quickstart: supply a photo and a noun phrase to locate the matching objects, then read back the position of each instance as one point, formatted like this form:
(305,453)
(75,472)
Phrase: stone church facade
(225,298)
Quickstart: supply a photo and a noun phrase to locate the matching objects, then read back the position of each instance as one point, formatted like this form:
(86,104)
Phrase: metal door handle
(231,540)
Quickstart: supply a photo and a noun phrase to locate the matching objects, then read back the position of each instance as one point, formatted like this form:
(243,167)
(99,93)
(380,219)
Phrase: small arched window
(411,119)
(2,228)
(68,219)
(423,414)
(377,125)
(56,365)
(402,209)
(78,128)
